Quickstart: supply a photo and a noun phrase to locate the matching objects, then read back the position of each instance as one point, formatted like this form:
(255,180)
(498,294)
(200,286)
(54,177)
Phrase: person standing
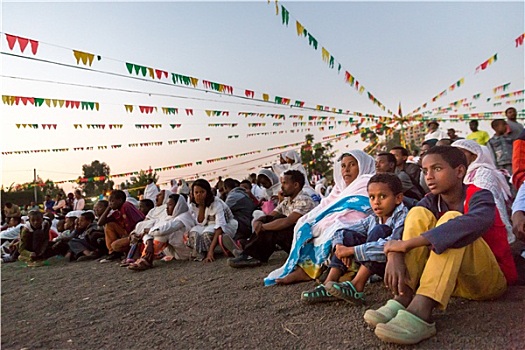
(78,203)
(515,128)
(434,132)
(481,137)
(452,135)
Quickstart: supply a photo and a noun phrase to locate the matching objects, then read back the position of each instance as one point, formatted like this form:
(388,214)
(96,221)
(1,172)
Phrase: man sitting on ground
(277,228)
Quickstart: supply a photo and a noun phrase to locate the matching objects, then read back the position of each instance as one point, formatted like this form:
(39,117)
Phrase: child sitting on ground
(454,244)
(35,246)
(363,243)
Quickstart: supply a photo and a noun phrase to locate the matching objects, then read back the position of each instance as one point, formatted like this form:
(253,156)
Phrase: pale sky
(404,52)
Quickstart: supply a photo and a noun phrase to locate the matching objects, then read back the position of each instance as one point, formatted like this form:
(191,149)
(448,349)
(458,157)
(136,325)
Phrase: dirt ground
(190,305)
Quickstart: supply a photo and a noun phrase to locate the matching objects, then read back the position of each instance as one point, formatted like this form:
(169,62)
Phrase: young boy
(501,145)
(34,246)
(364,241)
(119,219)
(84,244)
(454,244)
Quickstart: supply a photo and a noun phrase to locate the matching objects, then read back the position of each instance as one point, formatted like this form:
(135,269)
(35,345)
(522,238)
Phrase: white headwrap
(183,188)
(274,180)
(293,155)
(151,191)
(159,212)
(182,213)
(483,173)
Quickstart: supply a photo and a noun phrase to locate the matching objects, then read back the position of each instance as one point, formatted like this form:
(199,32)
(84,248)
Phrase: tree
(95,179)
(317,158)
(139,182)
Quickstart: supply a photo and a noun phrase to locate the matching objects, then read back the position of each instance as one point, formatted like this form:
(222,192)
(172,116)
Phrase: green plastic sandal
(317,295)
(346,291)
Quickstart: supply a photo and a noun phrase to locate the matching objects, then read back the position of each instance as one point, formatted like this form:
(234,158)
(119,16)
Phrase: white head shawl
(274,180)
(151,191)
(293,155)
(482,172)
(182,213)
(318,189)
(159,212)
(183,188)
(174,186)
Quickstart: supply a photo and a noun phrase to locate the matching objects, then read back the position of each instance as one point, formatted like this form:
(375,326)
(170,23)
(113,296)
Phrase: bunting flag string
(255,125)
(519,40)
(211,113)
(157,75)
(219,125)
(487,63)
(326,56)
(147,126)
(85,57)
(22,43)
(501,88)
(510,94)
(38,102)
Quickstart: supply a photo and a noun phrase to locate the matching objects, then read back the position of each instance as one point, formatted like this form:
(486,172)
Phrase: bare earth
(190,305)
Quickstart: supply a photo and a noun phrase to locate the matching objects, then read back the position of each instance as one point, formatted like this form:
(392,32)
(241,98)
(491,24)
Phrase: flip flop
(140,265)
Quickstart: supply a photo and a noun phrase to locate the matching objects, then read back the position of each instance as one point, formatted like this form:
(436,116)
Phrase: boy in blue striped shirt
(363,242)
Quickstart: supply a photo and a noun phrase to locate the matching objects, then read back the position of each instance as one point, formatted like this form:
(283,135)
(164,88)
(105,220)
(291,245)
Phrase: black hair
(88,215)
(495,122)
(391,180)
(202,183)
(175,197)
(247,182)
(104,202)
(475,121)
(404,151)
(444,142)
(35,213)
(389,157)
(452,155)
(17,218)
(433,122)
(231,183)
(296,176)
(118,194)
(509,109)
(78,191)
(148,203)
(431,142)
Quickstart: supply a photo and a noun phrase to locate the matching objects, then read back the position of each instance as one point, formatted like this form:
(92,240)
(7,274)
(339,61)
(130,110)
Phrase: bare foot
(298,275)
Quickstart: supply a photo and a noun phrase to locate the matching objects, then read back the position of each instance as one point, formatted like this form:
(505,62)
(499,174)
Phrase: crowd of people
(430,227)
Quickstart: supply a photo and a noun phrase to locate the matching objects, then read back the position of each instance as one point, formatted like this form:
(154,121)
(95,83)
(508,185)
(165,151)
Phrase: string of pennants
(461,102)
(328,58)
(483,66)
(53,103)
(510,102)
(87,59)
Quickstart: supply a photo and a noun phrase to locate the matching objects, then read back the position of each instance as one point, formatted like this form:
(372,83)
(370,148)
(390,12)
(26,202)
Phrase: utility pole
(34,185)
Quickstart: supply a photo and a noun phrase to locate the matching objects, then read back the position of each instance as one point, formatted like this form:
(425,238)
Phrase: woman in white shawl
(183,189)
(347,202)
(482,173)
(156,214)
(167,234)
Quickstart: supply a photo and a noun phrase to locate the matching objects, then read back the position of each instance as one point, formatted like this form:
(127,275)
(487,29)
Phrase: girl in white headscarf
(482,173)
(270,182)
(346,203)
(184,189)
(167,234)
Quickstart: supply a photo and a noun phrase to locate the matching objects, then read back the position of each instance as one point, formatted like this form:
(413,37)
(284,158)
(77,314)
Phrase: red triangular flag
(23,43)
(34,46)
(11,40)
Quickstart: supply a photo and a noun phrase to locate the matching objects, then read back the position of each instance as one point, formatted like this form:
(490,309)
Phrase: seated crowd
(431,227)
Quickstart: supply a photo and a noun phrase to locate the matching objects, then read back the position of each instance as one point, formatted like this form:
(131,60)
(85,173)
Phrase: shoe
(231,246)
(346,291)
(111,257)
(406,328)
(318,295)
(243,261)
(384,314)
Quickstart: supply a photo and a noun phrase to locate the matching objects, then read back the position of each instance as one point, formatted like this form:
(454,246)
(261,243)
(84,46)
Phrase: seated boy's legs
(113,232)
(434,278)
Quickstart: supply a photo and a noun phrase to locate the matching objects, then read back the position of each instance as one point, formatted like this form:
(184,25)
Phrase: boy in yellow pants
(454,244)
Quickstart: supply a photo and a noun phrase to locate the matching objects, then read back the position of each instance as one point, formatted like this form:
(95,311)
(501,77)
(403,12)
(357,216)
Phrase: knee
(449,215)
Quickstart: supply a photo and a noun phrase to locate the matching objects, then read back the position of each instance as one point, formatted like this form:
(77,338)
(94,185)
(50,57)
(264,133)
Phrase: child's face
(382,200)
(82,223)
(69,224)
(170,206)
(143,208)
(115,203)
(199,194)
(99,209)
(500,128)
(440,177)
(36,221)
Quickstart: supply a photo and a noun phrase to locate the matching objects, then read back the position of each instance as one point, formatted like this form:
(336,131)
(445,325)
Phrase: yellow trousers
(471,272)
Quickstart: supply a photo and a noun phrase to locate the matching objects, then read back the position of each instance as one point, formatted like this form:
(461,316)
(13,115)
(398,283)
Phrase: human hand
(209,257)
(396,275)
(343,252)
(518,225)
(257,227)
(347,261)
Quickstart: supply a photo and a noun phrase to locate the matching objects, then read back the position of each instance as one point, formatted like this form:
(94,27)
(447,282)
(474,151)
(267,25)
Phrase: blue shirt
(373,251)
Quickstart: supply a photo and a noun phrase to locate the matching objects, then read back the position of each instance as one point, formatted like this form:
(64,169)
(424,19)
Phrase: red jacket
(496,238)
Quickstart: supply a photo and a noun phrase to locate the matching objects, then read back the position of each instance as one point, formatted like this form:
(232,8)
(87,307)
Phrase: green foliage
(94,188)
(317,158)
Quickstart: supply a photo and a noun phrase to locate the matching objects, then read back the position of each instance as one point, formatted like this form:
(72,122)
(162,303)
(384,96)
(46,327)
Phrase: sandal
(346,291)
(140,265)
(318,295)
(126,262)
